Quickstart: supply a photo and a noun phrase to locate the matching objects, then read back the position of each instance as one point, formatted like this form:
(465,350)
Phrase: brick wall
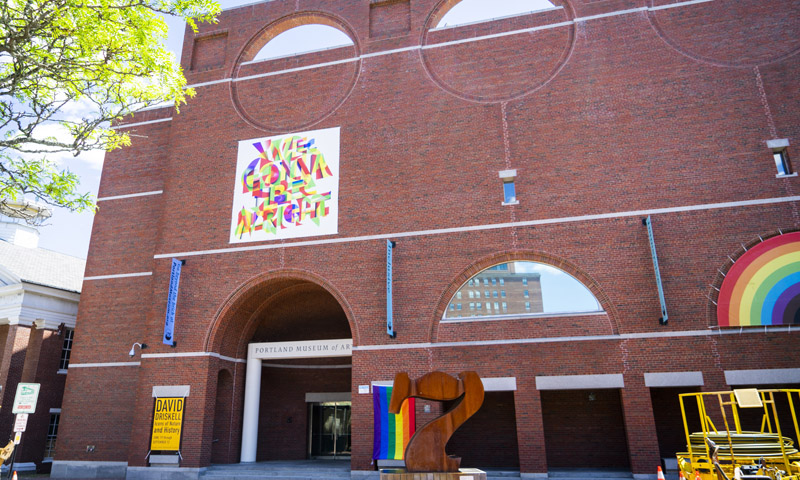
(665,111)
(669,421)
(489,438)
(584,428)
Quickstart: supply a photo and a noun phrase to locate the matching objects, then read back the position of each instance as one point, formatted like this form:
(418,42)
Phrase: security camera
(133,348)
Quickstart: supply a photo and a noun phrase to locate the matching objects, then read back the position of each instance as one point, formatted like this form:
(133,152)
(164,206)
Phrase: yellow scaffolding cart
(734,453)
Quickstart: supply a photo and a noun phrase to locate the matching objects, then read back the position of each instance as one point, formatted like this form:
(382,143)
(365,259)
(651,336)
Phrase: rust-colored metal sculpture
(426,449)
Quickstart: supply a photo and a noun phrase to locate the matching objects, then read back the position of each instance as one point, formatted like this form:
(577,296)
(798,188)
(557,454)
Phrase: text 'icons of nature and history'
(167,424)
(286,186)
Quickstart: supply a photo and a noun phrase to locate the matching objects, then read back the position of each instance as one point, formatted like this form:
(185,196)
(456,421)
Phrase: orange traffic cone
(680,475)
(660,475)
(15,475)
(697,475)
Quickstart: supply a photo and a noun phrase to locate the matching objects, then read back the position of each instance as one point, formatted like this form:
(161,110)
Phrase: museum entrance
(295,397)
(329,430)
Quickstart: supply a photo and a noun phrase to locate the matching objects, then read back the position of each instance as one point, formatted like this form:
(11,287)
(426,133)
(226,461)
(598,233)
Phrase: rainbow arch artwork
(763,286)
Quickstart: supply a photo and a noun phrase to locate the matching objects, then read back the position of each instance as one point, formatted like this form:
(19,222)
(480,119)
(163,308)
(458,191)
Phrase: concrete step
(589,474)
(273,475)
(267,476)
(289,470)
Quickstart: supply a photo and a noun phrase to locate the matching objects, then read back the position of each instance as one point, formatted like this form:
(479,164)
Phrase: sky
(69,233)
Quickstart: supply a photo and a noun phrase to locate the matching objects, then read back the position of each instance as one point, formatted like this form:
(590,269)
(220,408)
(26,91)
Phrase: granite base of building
(163,473)
(80,469)
(20,467)
(461,474)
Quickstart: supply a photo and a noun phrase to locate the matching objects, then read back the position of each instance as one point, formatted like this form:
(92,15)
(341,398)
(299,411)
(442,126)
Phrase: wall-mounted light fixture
(133,348)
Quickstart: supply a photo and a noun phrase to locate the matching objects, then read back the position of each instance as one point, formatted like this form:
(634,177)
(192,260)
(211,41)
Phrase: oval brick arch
(269,102)
(730,33)
(238,317)
(505,67)
(524,256)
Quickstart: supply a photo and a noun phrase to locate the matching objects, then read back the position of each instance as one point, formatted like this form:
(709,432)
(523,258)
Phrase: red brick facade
(609,110)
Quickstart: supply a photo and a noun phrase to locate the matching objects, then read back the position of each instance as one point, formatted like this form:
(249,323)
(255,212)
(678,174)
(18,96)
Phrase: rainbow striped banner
(763,286)
(392,431)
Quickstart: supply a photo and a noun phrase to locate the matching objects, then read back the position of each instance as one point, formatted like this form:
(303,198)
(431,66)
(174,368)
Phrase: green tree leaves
(105,57)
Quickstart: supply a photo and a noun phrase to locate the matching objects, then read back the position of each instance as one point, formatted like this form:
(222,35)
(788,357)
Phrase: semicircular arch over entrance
(307,328)
(238,320)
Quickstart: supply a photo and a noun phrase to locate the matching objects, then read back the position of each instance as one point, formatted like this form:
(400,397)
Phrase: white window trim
(778,144)
(518,316)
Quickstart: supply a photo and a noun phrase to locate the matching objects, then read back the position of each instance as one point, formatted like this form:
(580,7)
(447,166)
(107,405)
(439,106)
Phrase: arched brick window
(521,288)
(475,11)
(302,39)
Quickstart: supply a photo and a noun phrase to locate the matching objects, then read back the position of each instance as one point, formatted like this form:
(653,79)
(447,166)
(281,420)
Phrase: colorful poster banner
(391,431)
(172,303)
(167,424)
(763,285)
(286,186)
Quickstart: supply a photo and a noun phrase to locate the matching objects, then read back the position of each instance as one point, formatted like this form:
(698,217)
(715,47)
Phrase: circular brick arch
(523,256)
(238,318)
(730,33)
(502,68)
(270,102)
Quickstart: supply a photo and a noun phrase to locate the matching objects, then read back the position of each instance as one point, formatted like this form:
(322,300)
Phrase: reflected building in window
(528,288)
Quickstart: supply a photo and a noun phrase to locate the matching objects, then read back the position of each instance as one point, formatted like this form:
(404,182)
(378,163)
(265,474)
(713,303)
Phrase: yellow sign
(167,422)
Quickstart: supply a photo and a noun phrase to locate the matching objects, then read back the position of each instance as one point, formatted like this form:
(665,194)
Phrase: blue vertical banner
(172,302)
(664,316)
(389,321)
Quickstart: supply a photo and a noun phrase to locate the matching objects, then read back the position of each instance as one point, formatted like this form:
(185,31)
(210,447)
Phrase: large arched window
(303,39)
(475,11)
(517,289)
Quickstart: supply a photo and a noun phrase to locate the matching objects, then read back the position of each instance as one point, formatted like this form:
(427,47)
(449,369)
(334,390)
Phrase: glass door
(330,430)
